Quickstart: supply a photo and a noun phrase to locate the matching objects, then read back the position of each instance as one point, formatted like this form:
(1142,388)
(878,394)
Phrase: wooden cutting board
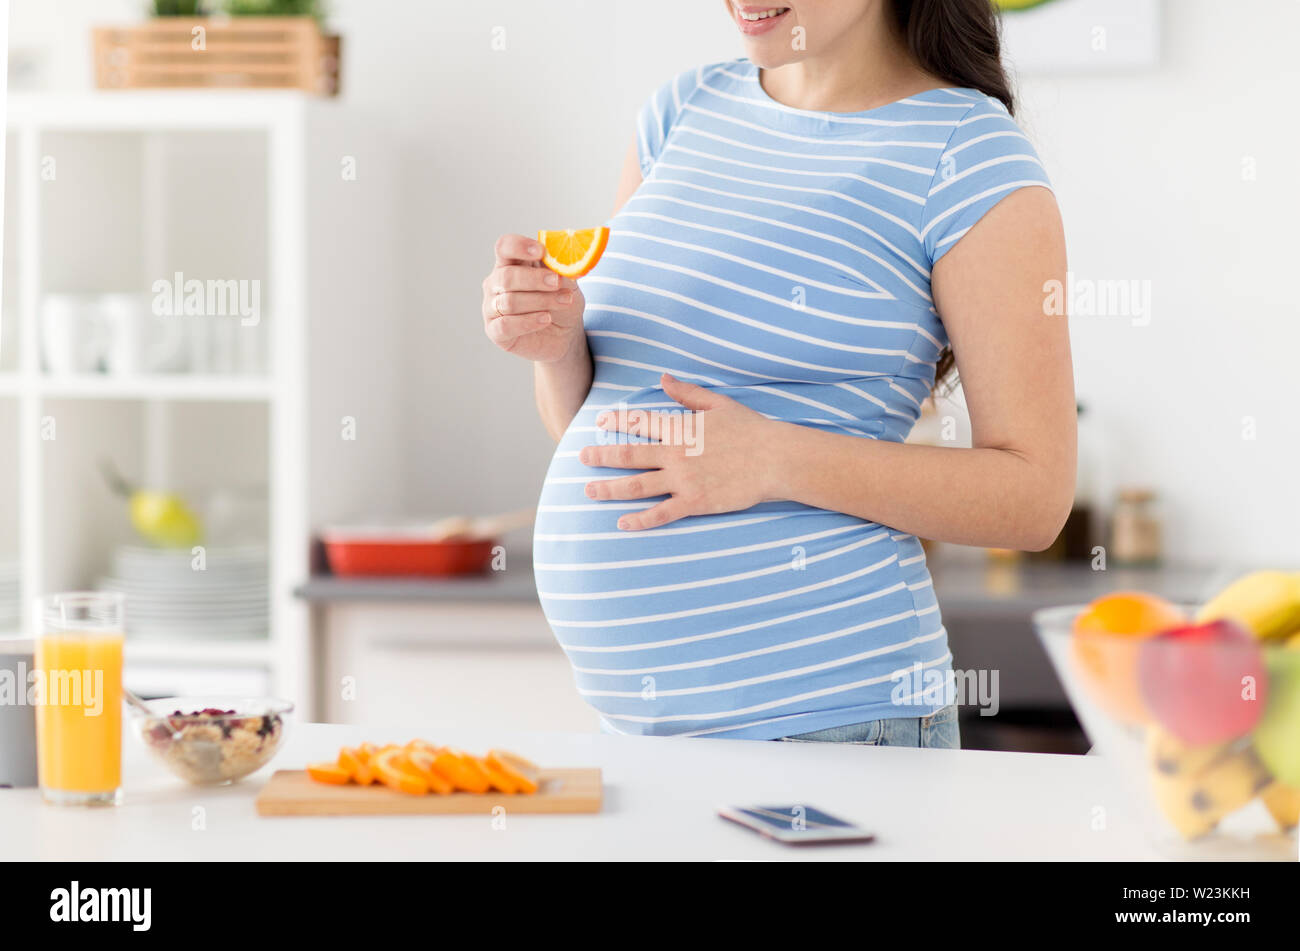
(294,793)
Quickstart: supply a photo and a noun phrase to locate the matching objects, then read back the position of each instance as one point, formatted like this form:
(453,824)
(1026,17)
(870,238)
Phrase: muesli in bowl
(213,740)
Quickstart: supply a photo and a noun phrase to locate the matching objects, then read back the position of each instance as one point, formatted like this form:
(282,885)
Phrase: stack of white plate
(172,595)
(10,598)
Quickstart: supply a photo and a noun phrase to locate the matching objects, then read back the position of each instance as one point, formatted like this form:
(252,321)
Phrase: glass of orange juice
(79,700)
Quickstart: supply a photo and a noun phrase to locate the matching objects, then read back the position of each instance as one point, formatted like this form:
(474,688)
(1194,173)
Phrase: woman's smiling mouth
(754,21)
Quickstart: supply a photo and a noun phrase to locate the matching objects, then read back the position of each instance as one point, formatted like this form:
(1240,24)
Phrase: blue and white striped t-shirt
(781,257)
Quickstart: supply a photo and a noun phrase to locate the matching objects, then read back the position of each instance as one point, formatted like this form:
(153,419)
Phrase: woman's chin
(770,56)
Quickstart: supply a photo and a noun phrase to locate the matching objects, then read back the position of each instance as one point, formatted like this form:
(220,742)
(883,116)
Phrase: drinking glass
(79,699)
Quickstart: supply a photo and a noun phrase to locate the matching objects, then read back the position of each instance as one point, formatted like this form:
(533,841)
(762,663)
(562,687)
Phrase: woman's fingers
(669,510)
(503,330)
(626,456)
(691,395)
(517,249)
(634,422)
(524,302)
(515,277)
(646,485)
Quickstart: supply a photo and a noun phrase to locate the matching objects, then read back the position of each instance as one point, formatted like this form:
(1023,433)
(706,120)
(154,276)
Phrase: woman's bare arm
(1014,487)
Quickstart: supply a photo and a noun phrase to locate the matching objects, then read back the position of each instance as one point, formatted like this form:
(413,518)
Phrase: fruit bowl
(213,740)
(1199,716)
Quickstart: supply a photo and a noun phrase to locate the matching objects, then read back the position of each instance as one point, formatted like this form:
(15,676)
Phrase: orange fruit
(330,773)
(395,772)
(515,768)
(422,762)
(356,762)
(462,771)
(1107,637)
(499,780)
(573,253)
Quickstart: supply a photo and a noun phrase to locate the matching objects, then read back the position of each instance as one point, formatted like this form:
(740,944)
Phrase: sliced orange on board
(422,762)
(462,771)
(357,764)
(419,768)
(330,773)
(395,772)
(573,253)
(515,768)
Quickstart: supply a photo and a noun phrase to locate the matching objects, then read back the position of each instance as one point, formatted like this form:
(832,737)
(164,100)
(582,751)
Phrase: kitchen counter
(515,585)
(962,586)
(986,610)
(660,799)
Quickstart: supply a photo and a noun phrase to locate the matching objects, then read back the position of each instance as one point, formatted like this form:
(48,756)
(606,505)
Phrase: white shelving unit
(325,259)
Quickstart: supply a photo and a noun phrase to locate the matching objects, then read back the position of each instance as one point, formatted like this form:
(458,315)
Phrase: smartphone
(795,825)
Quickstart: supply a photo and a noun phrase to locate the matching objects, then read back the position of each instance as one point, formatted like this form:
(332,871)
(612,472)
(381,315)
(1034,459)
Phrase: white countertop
(660,800)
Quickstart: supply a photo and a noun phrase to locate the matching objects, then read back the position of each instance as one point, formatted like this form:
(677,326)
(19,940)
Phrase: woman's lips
(761,26)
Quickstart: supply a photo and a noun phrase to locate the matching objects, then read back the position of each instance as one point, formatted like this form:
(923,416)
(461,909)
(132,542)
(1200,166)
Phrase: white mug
(72,334)
(138,340)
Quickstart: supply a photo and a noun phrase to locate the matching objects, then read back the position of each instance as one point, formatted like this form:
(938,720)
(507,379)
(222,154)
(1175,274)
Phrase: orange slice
(573,253)
(462,771)
(330,773)
(499,780)
(356,762)
(422,762)
(424,745)
(514,767)
(395,772)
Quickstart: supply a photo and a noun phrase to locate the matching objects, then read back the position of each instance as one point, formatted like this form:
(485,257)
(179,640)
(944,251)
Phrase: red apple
(1194,680)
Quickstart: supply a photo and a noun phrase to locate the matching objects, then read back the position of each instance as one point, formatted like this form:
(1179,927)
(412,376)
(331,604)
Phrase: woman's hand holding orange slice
(532,309)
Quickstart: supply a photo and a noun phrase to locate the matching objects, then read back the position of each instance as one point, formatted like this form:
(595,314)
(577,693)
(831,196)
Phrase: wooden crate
(235,53)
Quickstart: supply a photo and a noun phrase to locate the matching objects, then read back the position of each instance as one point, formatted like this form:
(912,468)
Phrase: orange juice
(79,715)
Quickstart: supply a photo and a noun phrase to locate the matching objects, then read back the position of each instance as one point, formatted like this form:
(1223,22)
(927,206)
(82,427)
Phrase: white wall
(1149,171)
(1148,167)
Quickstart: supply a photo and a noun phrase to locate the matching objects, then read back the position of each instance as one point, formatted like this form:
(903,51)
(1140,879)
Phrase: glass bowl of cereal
(213,740)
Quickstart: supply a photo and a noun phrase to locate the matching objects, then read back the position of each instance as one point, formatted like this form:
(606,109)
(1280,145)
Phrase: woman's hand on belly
(708,461)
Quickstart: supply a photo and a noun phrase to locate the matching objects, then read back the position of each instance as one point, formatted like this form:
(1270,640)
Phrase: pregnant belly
(743,621)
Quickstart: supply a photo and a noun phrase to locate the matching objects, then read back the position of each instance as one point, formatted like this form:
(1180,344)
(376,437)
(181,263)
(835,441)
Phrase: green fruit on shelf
(1277,737)
(162,518)
(1266,602)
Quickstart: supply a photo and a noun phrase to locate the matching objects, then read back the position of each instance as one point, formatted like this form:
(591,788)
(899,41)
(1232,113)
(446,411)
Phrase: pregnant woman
(806,240)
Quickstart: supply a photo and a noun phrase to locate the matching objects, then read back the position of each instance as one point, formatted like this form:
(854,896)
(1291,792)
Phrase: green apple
(1277,737)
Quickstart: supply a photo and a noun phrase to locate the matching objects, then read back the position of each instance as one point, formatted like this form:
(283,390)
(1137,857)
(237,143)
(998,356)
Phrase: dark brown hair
(958,41)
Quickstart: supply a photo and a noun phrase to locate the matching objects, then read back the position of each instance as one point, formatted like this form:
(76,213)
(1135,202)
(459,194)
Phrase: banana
(1283,803)
(1195,787)
(1174,760)
(1266,602)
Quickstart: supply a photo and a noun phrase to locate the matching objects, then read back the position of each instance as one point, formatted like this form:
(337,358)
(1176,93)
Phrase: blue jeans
(937,731)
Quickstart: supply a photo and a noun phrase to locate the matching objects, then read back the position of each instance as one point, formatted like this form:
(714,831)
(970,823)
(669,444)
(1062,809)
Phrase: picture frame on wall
(1069,36)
